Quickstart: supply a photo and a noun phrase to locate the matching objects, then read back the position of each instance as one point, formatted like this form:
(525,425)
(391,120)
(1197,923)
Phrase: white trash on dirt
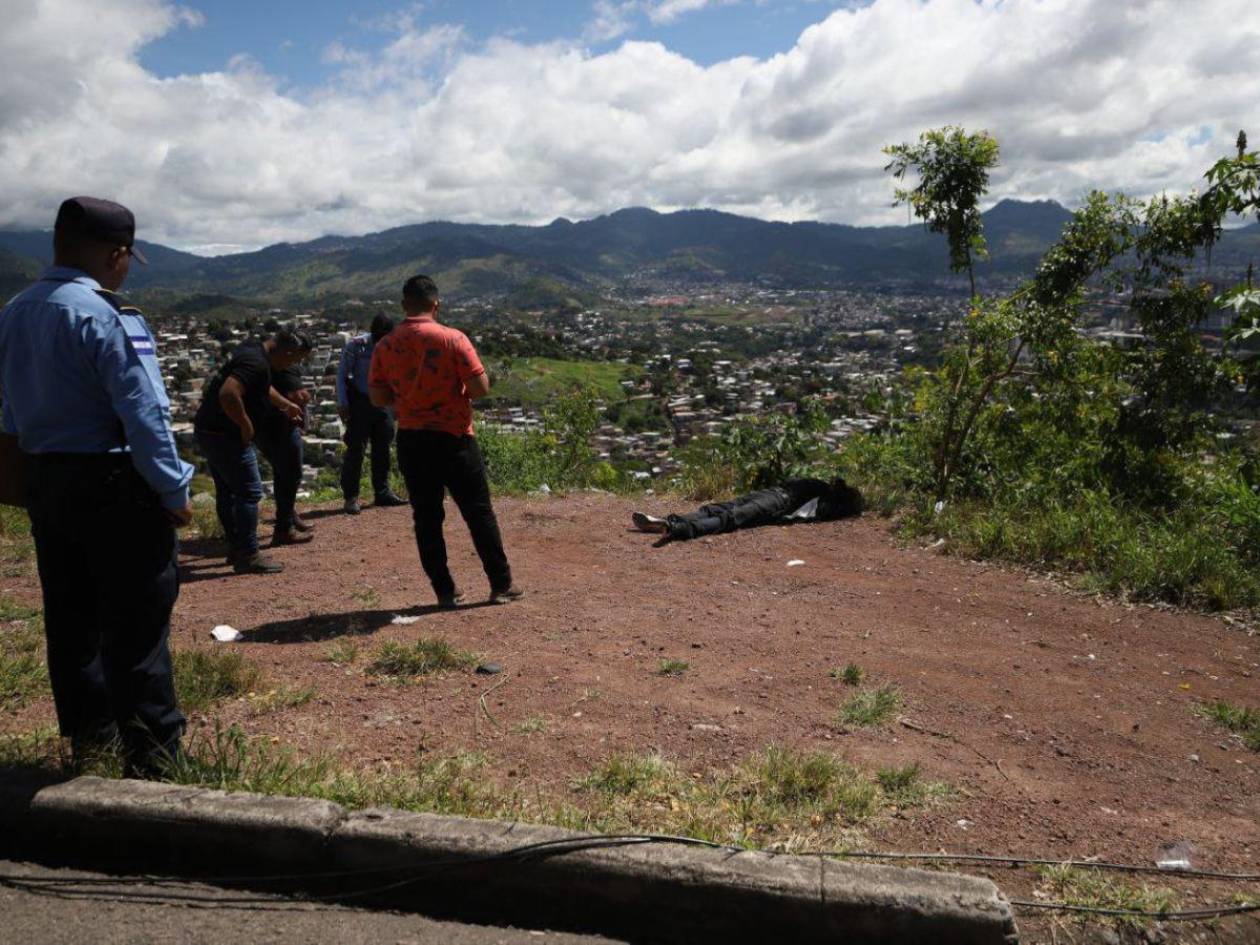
(225,634)
(795,563)
(404,621)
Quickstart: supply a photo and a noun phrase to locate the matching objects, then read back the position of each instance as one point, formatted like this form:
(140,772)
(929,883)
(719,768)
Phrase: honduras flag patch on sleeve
(142,344)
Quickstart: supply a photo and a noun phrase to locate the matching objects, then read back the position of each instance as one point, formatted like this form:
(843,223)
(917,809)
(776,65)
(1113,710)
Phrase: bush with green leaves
(1035,443)
(558,456)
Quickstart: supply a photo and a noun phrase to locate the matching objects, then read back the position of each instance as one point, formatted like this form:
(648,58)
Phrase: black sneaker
(352,507)
(649,523)
(507,595)
(388,500)
(256,564)
(452,600)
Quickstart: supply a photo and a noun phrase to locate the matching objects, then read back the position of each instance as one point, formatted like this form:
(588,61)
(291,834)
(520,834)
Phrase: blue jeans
(237,487)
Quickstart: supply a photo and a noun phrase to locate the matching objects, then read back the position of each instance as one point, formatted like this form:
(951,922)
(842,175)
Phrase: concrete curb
(438,865)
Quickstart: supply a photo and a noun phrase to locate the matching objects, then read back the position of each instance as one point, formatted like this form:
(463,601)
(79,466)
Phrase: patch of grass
(535,723)
(779,798)
(871,707)
(204,677)
(850,675)
(1096,890)
(22,669)
(426,656)
(1242,721)
(673,667)
(282,697)
(368,597)
(341,652)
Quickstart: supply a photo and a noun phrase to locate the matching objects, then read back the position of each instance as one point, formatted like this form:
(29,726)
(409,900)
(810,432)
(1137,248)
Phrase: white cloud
(667,11)
(1141,95)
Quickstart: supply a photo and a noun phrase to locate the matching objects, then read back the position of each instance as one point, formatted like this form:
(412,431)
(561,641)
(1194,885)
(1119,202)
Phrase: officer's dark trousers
(367,424)
(107,564)
(433,463)
(748,511)
(281,443)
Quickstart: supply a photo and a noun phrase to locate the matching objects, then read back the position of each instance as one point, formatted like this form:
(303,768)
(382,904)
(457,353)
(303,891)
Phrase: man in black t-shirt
(225,433)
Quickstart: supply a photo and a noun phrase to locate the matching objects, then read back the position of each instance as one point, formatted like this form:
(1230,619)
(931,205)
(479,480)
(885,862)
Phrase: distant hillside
(559,264)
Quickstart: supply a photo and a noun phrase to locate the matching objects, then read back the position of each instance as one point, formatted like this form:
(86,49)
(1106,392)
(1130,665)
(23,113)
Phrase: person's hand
(293,412)
(180,517)
(344,414)
(302,397)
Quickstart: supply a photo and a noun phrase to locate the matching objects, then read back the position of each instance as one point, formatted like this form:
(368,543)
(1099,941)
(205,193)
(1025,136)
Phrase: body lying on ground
(796,500)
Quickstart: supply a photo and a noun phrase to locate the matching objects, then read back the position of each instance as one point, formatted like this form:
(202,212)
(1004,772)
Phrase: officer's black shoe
(256,564)
(388,499)
(452,600)
(352,507)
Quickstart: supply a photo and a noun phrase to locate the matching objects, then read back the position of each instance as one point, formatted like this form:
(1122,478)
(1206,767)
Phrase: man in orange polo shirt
(430,374)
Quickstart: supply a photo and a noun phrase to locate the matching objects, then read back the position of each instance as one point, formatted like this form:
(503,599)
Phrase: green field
(532,382)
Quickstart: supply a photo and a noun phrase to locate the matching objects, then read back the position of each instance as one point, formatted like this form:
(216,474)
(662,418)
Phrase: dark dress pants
(748,511)
(433,463)
(107,564)
(367,424)
(281,442)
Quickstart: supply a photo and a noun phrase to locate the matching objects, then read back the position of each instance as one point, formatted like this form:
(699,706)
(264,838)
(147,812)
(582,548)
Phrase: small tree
(953,169)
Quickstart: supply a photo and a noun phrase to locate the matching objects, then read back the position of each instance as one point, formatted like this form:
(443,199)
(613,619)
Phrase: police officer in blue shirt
(106,487)
(364,422)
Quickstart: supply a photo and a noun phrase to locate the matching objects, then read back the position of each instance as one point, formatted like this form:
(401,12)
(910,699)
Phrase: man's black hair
(420,292)
(382,325)
(289,340)
(841,500)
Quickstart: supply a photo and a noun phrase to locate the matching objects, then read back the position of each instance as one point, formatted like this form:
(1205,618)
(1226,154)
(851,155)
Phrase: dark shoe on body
(452,600)
(649,523)
(506,595)
(256,564)
(302,524)
(388,500)
(291,537)
(352,507)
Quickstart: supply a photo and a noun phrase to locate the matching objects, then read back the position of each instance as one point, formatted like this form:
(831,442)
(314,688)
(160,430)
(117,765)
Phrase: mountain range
(565,258)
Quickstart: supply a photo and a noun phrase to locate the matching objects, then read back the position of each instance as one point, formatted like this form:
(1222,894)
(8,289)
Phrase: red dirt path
(1074,723)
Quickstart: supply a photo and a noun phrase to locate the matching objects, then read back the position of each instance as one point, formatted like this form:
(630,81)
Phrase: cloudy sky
(231,124)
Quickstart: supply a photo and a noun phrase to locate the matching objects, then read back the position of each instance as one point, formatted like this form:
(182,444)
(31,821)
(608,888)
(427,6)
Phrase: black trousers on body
(432,464)
(367,424)
(748,511)
(107,564)
(281,443)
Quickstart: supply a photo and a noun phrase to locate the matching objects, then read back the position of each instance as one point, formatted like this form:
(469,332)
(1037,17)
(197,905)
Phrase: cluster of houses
(696,361)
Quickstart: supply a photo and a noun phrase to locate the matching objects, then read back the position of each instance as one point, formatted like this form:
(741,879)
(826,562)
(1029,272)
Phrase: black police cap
(99,219)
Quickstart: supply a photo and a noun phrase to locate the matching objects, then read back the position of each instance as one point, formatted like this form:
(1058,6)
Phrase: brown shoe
(290,537)
(507,595)
(256,564)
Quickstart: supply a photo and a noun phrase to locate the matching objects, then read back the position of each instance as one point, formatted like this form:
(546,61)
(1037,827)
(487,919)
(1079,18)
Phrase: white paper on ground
(795,563)
(404,621)
(225,634)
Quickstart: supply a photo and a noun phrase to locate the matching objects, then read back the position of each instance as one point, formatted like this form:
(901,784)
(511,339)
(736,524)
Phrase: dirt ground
(1066,723)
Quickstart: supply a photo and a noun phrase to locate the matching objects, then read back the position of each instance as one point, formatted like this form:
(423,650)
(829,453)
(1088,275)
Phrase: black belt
(94,460)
